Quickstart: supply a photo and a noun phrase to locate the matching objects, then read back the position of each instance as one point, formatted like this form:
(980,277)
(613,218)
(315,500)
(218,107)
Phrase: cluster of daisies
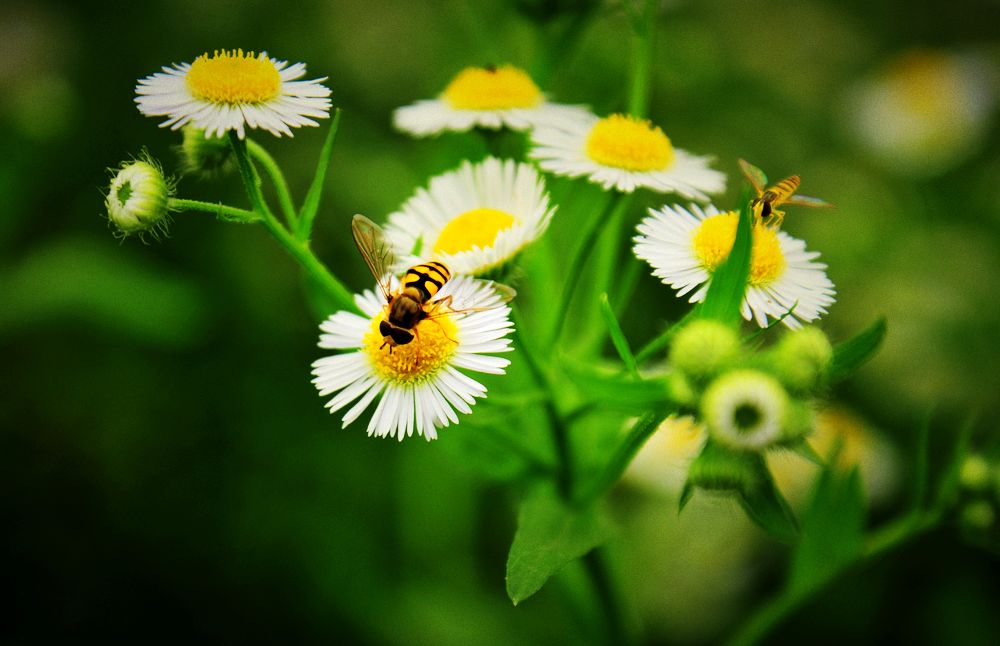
(476,219)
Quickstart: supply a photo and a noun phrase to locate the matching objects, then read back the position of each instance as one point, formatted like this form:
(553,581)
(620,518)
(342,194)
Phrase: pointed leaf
(850,355)
(729,281)
(550,534)
(311,205)
(616,391)
(832,531)
(617,336)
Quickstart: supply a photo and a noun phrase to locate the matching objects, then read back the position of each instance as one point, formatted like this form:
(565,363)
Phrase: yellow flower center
(434,342)
(713,241)
(233,77)
(632,144)
(478,227)
(492,88)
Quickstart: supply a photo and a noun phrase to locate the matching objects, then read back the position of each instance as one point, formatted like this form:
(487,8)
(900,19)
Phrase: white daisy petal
(420,385)
(491,98)
(666,240)
(210,96)
(474,219)
(563,147)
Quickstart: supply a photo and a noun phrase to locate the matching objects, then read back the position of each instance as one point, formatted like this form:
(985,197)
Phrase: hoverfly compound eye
(401,336)
(384,328)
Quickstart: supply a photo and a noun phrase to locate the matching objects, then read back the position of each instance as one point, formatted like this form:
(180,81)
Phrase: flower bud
(975,474)
(200,153)
(704,348)
(680,389)
(745,410)
(137,198)
(978,515)
(801,360)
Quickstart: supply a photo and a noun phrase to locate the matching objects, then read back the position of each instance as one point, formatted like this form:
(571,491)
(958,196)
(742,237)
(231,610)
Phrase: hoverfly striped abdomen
(427,278)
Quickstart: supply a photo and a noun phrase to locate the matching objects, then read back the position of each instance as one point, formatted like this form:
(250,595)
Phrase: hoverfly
(769,198)
(411,303)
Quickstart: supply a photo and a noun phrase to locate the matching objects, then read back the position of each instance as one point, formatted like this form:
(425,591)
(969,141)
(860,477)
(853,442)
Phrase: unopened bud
(802,359)
(745,410)
(704,348)
(137,198)
(202,154)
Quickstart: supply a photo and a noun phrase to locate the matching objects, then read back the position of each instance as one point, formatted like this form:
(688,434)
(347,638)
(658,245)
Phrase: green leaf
(803,449)
(617,336)
(850,355)
(832,531)
(729,281)
(624,452)
(615,391)
(311,205)
(550,534)
(765,505)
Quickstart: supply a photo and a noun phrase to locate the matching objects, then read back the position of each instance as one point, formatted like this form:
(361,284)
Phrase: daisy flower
(138,198)
(484,97)
(419,385)
(474,219)
(231,90)
(623,153)
(684,247)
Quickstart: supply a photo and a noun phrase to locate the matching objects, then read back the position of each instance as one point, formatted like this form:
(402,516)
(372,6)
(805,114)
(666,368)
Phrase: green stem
(642,56)
(599,570)
(223,211)
(778,610)
(299,249)
(560,435)
(591,231)
(622,457)
(262,157)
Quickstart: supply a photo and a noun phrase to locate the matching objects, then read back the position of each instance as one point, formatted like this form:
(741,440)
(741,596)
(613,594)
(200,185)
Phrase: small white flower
(685,247)
(490,97)
(232,91)
(745,409)
(418,384)
(623,153)
(474,219)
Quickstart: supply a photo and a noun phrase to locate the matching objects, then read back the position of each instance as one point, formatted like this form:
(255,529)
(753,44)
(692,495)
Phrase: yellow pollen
(478,227)
(492,88)
(632,144)
(433,344)
(713,241)
(233,78)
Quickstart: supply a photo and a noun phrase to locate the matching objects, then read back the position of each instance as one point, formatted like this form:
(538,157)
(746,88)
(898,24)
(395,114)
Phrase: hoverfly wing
(506,294)
(755,175)
(375,250)
(805,200)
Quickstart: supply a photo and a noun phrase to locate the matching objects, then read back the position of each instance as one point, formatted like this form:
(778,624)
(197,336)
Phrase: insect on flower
(768,199)
(407,306)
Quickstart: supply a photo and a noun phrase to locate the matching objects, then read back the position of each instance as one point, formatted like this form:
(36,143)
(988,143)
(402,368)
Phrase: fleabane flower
(474,219)
(483,97)
(623,153)
(138,197)
(745,410)
(685,247)
(232,90)
(419,385)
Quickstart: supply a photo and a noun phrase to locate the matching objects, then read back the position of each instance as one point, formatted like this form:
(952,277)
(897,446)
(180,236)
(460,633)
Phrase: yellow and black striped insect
(412,302)
(770,197)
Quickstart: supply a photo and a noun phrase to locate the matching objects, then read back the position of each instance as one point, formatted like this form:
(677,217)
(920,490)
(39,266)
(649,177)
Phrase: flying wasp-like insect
(770,197)
(412,303)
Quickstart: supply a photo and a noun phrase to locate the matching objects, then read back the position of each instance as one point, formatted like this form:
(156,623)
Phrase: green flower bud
(976,473)
(802,359)
(680,389)
(137,198)
(704,348)
(799,421)
(745,410)
(978,515)
(202,154)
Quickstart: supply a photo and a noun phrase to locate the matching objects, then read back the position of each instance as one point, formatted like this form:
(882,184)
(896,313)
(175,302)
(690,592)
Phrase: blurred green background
(169,473)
